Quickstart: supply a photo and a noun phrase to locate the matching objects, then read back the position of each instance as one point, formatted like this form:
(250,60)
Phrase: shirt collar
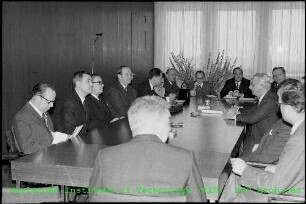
(97,97)
(295,126)
(82,99)
(36,109)
(124,87)
(151,85)
(261,97)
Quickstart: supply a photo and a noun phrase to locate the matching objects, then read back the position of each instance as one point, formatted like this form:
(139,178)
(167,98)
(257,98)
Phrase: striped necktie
(45,118)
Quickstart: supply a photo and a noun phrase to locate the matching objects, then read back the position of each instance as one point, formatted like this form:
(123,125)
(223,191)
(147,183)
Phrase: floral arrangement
(184,67)
(219,71)
(215,72)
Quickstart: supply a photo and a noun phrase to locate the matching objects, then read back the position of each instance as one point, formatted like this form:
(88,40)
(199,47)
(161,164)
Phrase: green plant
(219,71)
(184,67)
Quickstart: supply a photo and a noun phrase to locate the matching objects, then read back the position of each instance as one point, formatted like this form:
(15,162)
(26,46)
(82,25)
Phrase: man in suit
(121,94)
(171,88)
(147,86)
(97,108)
(271,144)
(146,162)
(71,113)
(260,117)
(32,126)
(238,86)
(201,88)
(279,75)
(288,176)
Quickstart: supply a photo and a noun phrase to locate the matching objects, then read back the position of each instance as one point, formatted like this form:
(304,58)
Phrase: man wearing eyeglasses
(98,110)
(32,126)
(201,88)
(71,114)
(121,95)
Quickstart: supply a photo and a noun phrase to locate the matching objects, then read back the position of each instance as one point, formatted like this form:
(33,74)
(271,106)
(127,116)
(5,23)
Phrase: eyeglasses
(97,82)
(47,99)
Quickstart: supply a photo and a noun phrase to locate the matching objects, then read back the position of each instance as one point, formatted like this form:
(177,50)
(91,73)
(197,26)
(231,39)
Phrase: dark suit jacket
(261,118)
(30,130)
(98,112)
(274,86)
(271,144)
(70,114)
(171,88)
(144,89)
(146,161)
(206,89)
(120,100)
(230,85)
(289,173)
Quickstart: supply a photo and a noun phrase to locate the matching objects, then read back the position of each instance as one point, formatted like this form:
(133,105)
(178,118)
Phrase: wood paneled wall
(49,41)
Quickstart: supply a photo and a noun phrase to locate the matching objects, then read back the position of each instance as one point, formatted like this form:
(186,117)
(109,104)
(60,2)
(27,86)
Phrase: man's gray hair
(145,111)
(264,80)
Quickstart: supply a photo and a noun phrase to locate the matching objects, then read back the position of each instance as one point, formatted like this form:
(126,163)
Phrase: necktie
(125,88)
(237,85)
(45,118)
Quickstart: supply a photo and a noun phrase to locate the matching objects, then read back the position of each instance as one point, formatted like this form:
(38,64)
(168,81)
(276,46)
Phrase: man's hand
(231,113)
(172,96)
(236,93)
(238,165)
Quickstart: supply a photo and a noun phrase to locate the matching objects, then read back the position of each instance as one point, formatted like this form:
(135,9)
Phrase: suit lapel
(39,120)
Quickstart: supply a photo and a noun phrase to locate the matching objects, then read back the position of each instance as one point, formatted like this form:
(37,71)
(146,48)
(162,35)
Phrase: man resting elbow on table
(288,176)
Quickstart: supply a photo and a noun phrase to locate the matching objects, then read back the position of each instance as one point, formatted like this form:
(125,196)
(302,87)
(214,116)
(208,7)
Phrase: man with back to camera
(121,94)
(279,75)
(238,86)
(71,113)
(146,162)
(32,126)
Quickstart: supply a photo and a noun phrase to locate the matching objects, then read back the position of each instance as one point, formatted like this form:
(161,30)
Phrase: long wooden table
(211,138)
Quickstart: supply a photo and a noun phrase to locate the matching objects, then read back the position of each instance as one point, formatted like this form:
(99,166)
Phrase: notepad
(212,112)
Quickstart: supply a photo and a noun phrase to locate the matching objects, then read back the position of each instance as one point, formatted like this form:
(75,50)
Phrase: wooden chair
(30,195)
(113,197)
(286,198)
(12,147)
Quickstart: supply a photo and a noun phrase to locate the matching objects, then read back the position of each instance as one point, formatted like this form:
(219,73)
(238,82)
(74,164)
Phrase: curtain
(261,35)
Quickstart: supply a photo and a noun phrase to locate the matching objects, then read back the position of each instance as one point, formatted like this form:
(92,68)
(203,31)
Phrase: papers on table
(212,112)
(229,97)
(247,99)
(59,137)
(211,96)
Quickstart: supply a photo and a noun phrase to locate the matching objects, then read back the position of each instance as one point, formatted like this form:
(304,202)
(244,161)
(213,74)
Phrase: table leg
(18,183)
(63,193)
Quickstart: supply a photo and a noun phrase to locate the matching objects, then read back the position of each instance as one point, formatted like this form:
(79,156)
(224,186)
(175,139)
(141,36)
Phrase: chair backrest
(30,195)
(113,197)
(12,145)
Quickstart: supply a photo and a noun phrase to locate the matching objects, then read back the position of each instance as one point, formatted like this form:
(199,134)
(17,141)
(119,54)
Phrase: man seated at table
(279,75)
(121,94)
(171,88)
(271,145)
(201,88)
(97,108)
(32,126)
(238,86)
(146,88)
(288,176)
(71,113)
(260,117)
(146,162)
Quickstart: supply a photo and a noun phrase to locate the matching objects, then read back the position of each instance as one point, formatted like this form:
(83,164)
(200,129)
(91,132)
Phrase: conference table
(212,139)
